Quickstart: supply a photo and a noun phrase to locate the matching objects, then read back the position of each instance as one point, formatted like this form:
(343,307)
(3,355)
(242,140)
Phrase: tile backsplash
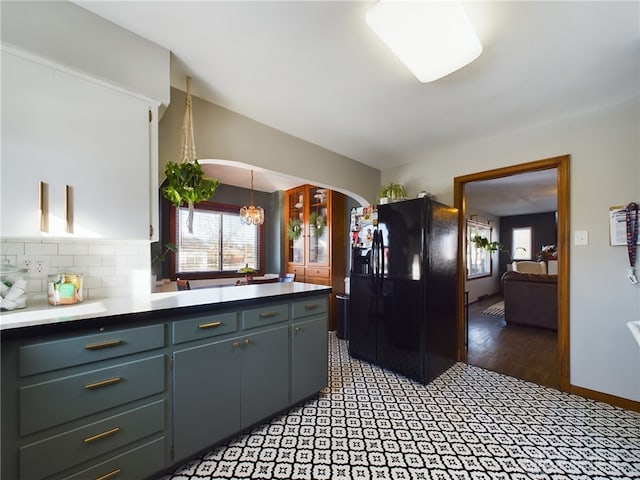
(110,268)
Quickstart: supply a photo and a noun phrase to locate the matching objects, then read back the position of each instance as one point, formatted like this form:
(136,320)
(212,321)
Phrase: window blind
(219,242)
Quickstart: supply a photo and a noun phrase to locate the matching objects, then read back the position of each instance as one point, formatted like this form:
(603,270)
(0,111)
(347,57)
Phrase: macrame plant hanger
(188,144)
(632,213)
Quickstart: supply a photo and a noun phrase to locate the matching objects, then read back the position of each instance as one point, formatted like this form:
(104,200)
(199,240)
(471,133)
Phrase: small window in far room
(478,259)
(522,243)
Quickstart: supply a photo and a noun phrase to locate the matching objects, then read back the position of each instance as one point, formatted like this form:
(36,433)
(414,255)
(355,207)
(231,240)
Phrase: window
(521,243)
(219,244)
(478,259)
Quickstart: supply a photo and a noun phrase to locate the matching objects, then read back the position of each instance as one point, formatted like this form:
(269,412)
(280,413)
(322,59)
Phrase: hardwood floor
(527,353)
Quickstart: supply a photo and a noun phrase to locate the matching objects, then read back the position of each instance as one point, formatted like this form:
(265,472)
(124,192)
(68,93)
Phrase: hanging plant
(316,222)
(483,242)
(294,228)
(186,182)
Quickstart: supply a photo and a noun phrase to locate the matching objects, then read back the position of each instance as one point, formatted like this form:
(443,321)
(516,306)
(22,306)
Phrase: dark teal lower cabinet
(129,397)
(308,357)
(265,375)
(206,392)
(220,388)
(136,463)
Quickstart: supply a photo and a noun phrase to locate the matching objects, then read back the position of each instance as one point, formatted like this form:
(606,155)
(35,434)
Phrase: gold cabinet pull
(210,325)
(109,475)
(103,383)
(247,341)
(43,205)
(298,329)
(68,207)
(311,306)
(99,345)
(268,314)
(99,436)
(235,344)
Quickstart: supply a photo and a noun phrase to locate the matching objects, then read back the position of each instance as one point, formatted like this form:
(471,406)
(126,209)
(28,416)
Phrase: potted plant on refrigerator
(392,191)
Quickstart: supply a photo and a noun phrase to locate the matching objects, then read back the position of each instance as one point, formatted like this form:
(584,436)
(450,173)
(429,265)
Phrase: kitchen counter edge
(43,318)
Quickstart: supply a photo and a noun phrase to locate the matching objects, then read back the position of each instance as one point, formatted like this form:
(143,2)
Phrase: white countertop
(44,314)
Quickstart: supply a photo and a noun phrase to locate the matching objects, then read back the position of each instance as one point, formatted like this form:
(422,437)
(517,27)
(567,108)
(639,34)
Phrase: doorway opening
(561,166)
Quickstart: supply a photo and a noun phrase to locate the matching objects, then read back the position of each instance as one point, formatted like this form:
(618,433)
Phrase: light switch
(582,237)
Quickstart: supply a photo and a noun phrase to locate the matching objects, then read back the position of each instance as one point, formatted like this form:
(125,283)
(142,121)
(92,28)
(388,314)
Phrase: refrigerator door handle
(374,254)
(381,254)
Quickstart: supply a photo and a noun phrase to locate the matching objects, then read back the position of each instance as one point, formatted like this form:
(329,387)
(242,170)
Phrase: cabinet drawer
(318,272)
(265,315)
(51,403)
(139,462)
(77,446)
(299,271)
(311,306)
(57,354)
(204,326)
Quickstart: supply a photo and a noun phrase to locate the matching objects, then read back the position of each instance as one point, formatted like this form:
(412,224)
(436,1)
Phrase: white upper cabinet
(89,143)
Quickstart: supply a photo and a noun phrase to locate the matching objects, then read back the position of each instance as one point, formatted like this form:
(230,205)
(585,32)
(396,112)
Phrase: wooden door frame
(561,163)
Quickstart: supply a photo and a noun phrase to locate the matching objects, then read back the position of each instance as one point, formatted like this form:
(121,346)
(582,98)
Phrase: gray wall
(225,135)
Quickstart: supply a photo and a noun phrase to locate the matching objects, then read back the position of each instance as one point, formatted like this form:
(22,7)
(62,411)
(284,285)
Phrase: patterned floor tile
(468,424)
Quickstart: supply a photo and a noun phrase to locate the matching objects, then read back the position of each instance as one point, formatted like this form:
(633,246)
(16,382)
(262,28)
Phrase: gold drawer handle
(43,193)
(235,344)
(109,475)
(103,383)
(68,208)
(210,325)
(99,436)
(268,314)
(298,329)
(312,306)
(247,341)
(99,345)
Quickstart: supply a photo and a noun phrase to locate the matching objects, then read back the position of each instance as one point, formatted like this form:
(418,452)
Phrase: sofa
(530,299)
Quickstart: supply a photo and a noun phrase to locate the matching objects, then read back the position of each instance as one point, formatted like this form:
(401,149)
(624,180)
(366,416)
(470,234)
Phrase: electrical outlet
(34,265)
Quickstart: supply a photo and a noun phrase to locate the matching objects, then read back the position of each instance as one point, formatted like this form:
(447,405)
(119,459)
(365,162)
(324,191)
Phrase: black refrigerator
(403,306)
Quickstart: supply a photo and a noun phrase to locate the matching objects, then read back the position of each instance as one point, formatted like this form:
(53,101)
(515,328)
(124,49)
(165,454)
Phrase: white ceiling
(316,71)
(531,192)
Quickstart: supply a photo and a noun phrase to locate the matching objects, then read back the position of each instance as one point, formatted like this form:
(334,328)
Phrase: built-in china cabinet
(315,220)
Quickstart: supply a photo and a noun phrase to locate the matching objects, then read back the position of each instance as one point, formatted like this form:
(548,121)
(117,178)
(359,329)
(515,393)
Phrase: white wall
(604,171)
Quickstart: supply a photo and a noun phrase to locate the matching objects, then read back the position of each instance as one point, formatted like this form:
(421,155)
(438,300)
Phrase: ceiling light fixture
(432,38)
(251,215)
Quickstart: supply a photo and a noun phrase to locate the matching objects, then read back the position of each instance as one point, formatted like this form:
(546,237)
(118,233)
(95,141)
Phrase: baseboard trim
(606,398)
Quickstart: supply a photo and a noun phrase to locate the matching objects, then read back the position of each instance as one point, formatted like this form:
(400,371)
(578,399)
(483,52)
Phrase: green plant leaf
(186,183)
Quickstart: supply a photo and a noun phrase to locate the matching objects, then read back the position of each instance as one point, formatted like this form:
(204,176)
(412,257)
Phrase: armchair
(526,266)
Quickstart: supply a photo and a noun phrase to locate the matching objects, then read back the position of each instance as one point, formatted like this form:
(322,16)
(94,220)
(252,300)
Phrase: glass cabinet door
(295,225)
(318,226)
